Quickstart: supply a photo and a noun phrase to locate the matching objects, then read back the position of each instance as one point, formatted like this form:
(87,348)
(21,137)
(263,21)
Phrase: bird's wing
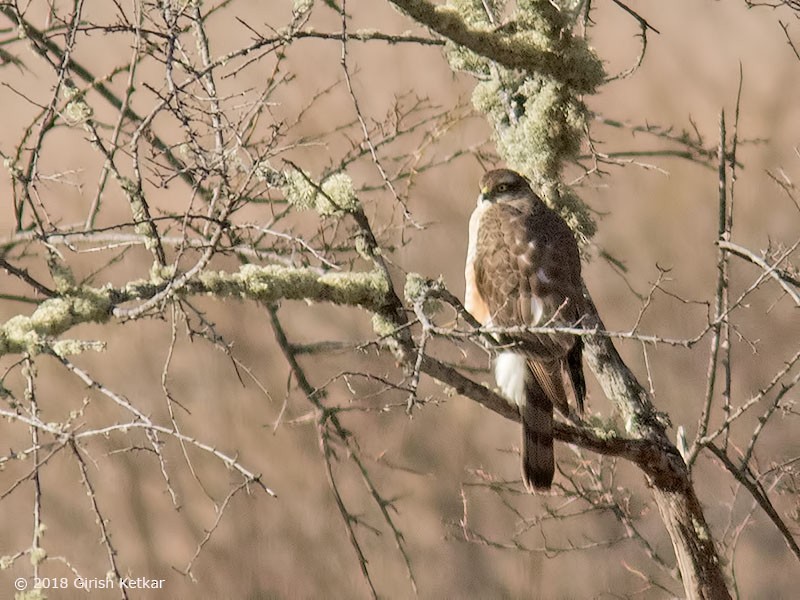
(527,273)
(527,269)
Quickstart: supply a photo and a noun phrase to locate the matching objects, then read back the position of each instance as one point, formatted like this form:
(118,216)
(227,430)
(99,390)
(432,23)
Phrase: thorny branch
(326,421)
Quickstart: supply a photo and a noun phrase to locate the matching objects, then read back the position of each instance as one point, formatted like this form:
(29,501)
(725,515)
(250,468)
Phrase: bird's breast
(473,301)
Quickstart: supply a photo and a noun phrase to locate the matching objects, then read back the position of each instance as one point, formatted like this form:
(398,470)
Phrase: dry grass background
(294,545)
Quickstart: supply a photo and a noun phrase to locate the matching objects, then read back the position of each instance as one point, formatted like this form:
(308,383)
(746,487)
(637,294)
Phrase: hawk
(524,269)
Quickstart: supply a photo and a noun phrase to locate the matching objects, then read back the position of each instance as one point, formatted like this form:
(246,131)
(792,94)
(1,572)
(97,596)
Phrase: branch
(650,449)
(677,502)
(581,71)
(647,454)
(267,284)
(25,276)
(756,491)
(314,396)
(790,284)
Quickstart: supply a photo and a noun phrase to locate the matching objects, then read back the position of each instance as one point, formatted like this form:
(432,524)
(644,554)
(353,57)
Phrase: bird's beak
(484,196)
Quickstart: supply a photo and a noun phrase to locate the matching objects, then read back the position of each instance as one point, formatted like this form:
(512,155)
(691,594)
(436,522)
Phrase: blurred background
(656,212)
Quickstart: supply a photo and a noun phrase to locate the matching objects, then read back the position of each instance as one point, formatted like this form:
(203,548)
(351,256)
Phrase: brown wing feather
(550,377)
(525,252)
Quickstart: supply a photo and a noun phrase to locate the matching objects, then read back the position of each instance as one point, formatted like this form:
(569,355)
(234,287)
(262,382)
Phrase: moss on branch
(272,283)
(536,111)
(532,49)
(37,332)
(52,318)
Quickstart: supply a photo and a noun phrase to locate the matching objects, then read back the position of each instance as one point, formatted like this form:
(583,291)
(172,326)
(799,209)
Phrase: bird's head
(504,185)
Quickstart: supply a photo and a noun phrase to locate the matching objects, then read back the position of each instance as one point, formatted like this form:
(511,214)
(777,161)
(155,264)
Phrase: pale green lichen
(538,127)
(417,288)
(62,275)
(472,12)
(536,39)
(302,6)
(461,58)
(264,171)
(13,169)
(575,212)
(53,317)
(545,132)
(700,530)
(76,111)
(542,25)
(65,348)
(57,427)
(142,226)
(382,326)
(90,305)
(335,196)
(181,5)
(185,151)
(338,196)
(298,190)
(18,335)
(273,282)
(68,90)
(537,116)
(6,562)
(369,289)
(141,288)
(364,249)
(161,273)
(37,555)
(606,429)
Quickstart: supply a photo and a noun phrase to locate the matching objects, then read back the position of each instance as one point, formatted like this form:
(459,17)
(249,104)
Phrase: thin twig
(743,477)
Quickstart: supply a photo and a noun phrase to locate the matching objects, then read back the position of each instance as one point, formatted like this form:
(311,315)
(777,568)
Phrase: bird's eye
(503,187)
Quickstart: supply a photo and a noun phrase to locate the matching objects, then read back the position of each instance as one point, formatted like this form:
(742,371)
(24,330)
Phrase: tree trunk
(664,469)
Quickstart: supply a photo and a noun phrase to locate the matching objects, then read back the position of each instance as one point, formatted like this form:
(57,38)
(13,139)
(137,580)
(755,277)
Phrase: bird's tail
(538,461)
(544,389)
(534,386)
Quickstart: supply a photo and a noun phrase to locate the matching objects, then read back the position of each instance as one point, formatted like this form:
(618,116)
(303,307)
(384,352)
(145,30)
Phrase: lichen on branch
(536,112)
(52,318)
(333,197)
(36,333)
(531,49)
(272,283)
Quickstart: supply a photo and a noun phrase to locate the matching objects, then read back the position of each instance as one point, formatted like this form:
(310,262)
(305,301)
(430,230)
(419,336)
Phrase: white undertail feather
(511,373)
